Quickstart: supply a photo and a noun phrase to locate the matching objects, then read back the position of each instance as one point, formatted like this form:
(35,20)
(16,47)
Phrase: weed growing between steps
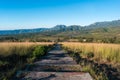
(19,57)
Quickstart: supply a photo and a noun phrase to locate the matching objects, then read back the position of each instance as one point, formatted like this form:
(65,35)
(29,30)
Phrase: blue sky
(25,14)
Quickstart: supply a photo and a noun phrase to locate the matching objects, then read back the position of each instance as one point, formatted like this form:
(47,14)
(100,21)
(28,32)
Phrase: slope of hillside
(21,31)
(105,24)
(62,28)
(108,32)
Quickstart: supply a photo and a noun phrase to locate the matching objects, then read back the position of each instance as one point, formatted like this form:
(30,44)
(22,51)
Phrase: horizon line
(60,24)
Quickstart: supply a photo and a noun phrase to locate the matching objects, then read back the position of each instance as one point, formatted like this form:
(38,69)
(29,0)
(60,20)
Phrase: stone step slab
(58,68)
(33,75)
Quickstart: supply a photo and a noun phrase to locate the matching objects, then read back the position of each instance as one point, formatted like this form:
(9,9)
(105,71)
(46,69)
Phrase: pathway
(56,65)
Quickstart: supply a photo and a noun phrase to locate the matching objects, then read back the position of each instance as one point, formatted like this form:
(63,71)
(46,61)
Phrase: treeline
(102,40)
(63,39)
(15,39)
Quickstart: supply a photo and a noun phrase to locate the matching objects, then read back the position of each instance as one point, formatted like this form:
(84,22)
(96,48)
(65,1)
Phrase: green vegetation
(100,32)
(93,42)
(17,56)
(99,35)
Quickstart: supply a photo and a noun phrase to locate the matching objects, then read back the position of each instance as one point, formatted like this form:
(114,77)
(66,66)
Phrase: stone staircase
(56,65)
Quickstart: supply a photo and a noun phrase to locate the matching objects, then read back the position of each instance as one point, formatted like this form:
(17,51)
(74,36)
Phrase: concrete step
(57,67)
(56,60)
(33,75)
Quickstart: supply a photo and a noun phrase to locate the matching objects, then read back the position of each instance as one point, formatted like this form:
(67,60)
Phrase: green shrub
(38,52)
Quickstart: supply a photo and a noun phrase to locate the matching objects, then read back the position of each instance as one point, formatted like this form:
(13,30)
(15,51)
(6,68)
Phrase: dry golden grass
(103,53)
(7,48)
(24,43)
(18,54)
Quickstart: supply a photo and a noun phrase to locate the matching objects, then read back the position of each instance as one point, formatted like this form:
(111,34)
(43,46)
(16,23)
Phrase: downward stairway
(56,65)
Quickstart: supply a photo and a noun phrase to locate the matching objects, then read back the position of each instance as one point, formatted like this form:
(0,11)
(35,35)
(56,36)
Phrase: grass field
(14,56)
(99,52)
(96,58)
(6,48)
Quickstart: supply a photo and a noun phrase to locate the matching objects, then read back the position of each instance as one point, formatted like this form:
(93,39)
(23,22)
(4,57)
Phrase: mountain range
(63,28)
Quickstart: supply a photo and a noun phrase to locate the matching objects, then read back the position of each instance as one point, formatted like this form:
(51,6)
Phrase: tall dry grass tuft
(14,56)
(103,53)
(8,48)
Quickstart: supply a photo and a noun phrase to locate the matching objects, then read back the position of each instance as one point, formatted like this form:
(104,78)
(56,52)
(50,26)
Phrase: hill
(108,32)
(58,28)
